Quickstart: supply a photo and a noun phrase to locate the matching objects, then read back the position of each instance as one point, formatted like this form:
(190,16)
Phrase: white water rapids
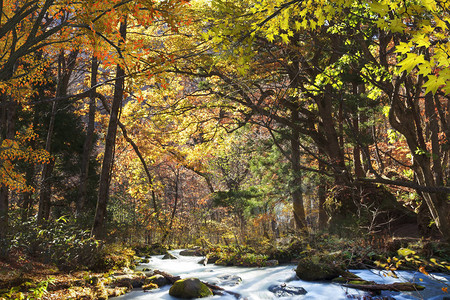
(256,281)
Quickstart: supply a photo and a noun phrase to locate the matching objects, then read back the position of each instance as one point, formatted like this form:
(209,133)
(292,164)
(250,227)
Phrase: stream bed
(255,282)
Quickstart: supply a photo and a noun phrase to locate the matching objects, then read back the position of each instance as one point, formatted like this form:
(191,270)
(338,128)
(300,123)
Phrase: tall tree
(98,229)
(87,147)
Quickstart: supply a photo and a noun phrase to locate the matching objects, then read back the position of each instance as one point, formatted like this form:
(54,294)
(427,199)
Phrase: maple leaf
(410,62)
(433,83)
(379,8)
(397,25)
(403,48)
(421,40)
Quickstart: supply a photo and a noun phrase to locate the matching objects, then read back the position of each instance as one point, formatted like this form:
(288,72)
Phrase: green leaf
(411,61)
(397,25)
(379,8)
(433,83)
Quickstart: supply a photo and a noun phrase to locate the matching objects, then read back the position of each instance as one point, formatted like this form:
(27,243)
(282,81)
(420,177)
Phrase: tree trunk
(87,147)
(322,195)
(332,147)
(4,203)
(8,129)
(108,158)
(359,172)
(296,184)
(45,192)
(400,119)
(174,210)
(64,73)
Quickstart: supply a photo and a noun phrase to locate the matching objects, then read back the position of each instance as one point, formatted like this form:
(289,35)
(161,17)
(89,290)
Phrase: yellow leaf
(424,69)
(403,48)
(429,4)
(397,25)
(411,61)
(421,40)
(433,83)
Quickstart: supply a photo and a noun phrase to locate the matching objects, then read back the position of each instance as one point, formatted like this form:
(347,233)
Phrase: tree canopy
(170,118)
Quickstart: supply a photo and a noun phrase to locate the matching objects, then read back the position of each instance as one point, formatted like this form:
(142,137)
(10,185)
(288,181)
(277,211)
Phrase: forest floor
(25,278)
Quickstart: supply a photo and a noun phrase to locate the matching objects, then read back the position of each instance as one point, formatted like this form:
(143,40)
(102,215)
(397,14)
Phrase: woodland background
(242,121)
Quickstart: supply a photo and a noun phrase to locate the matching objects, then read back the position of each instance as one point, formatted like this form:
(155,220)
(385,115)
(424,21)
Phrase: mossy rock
(316,268)
(192,252)
(190,288)
(153,249)
(340,280)
(347,276)
(157,279)
(169,256)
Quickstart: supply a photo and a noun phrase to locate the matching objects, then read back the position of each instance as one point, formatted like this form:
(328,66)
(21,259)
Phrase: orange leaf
(422,270)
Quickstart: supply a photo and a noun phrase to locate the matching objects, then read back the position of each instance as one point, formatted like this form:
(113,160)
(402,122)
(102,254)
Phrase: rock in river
(228,280)
(192,252)
(158,279)
(189,288)
(318,268)
(284,290)
(169,256)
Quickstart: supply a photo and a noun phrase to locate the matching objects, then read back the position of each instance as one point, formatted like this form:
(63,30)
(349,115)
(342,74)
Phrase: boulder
(271,263)
(284,290)
(190,288)
(157,279)
(192,252)
(129,281)
(228,280)
(213,258)
(147,250)
(169,256)
(314,268)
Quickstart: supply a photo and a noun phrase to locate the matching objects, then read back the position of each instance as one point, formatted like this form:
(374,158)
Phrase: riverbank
(24,277)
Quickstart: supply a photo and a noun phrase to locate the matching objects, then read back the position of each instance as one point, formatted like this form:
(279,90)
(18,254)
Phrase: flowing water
(256,281)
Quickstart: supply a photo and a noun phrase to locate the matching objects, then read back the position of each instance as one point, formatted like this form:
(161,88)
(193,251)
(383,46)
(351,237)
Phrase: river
(256,282)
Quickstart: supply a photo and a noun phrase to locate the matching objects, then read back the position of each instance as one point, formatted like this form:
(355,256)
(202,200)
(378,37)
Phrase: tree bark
(108,158)
(321,193)
(400,119)
(8,129)
(296,184)
(87,147)
(45,192)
